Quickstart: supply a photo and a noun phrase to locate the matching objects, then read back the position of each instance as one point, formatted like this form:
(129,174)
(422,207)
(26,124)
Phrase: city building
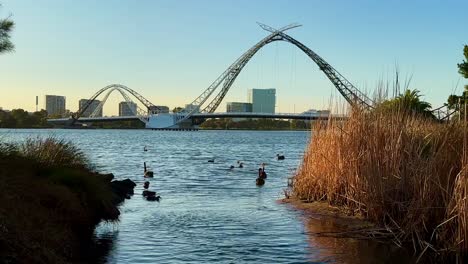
(94,104)
(190,107)
(55,105)
(158,109)
(127,109)
(262,100)
(238,107)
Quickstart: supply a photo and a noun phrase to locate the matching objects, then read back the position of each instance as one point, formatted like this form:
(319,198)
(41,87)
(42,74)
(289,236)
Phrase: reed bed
(404,172)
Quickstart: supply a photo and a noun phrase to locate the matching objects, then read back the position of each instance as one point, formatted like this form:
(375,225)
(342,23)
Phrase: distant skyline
(170,51)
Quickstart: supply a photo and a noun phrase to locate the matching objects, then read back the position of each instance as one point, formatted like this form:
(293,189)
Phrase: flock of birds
(149,195)
(262,175)
(152,195)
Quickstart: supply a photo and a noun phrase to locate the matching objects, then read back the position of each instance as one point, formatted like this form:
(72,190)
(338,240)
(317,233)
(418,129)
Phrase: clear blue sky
(170,51)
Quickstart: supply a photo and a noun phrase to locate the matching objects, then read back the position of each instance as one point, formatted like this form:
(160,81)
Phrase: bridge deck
(202,116)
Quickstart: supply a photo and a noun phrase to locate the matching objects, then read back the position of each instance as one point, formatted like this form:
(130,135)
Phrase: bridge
(205,105)
(303,116)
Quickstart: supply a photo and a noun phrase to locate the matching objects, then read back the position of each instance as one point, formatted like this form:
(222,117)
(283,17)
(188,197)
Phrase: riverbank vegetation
(397,166)
(405,172)
(51,200)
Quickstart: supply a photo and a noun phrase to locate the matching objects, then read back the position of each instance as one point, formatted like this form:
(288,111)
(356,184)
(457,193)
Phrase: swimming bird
(280,157)
(232,167)
(151,195)
(260,182)
(147,173)
(145,149)
(241,165)
(211,160)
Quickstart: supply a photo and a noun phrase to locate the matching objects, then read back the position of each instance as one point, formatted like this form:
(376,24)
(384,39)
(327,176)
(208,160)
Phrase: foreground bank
(403,172)
(51,200)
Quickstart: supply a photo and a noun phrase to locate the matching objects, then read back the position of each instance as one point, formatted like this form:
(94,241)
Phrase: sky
(171,51)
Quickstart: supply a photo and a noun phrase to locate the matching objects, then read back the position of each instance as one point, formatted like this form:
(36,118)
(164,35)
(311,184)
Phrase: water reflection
(102,245)
(348,250)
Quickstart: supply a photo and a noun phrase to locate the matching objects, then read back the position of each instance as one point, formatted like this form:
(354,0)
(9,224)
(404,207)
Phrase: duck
(145,149)
(280,157)
(211,160)
(261,173)
(150,195)
(146,185)
(147,173)
(260,182)
(232,167)
(241,165)
(147,193)
(153,198)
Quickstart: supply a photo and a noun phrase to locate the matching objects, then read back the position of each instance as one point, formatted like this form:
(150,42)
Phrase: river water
(208,213)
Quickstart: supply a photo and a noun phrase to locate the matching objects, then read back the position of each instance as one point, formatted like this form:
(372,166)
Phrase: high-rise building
(262,100)
(94,104)
(158,109)
(238,107)
(55,105)
(127,109)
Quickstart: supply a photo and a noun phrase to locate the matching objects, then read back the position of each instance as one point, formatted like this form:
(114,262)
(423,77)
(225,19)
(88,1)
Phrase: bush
(50,201)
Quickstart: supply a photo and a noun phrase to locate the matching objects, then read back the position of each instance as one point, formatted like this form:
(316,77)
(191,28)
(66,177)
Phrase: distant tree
(6,26)
(453,100)
(409,101)
(177,109)
(463,67)
(6,120)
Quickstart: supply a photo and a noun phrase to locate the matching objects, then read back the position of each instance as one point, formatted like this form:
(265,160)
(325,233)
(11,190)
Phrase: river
(208,212)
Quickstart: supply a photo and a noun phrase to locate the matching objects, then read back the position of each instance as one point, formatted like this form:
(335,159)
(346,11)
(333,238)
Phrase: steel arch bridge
(184,118)
(123,90)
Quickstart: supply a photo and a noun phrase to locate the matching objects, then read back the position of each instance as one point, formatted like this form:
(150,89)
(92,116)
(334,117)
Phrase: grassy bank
(406,173)
(50,202)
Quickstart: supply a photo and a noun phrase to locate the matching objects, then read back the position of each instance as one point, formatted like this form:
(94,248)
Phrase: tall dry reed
(401,171)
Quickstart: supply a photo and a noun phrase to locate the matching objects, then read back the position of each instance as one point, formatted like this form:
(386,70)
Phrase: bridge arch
(123,90)
(352,95)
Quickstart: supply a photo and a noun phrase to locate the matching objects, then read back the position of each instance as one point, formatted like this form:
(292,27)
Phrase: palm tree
(409,101)
(6,26)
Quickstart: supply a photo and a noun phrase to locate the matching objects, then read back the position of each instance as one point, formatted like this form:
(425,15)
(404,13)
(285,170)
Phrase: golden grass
(401,171)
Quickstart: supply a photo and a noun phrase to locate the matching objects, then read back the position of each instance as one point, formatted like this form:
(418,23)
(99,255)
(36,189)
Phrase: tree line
(19,118)
(255,124)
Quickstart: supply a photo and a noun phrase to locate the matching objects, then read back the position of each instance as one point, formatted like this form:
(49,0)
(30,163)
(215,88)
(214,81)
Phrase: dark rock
(108,177)
(122,189)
